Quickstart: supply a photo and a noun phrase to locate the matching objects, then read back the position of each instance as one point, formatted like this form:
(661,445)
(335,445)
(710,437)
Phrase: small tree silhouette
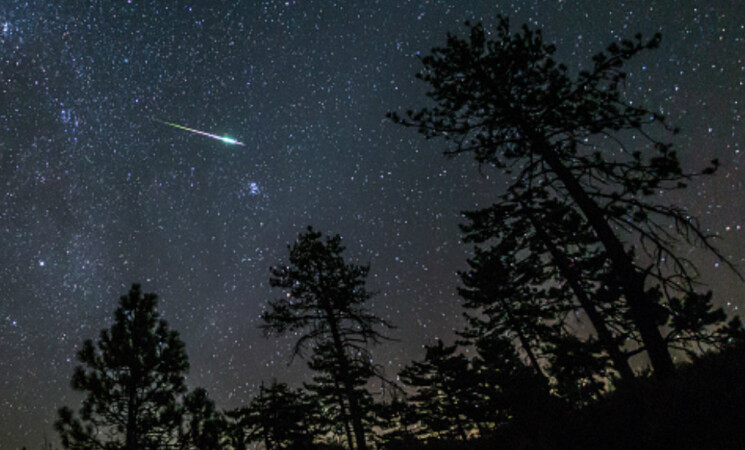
(134,381)
(204,426)
(443,381)
(277,417)
(398,420)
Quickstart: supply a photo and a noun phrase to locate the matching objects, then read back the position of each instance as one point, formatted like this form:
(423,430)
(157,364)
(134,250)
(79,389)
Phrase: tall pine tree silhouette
(324,302)
(504,99)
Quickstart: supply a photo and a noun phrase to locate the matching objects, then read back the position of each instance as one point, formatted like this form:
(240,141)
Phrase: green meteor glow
(225,139)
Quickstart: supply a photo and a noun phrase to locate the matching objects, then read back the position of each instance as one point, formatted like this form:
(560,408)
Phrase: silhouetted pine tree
(691,317)
(503,98)
(398,422)
(204,426)
(535,268)
(324,301)
(326,390)
(511,303)
(443,382)
(237,428)
(278,417)
(548,243)
(513,307)
(578,370)
(133,381)
(504,387)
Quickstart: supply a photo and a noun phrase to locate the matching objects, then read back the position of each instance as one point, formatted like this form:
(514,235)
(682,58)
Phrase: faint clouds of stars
(249,188)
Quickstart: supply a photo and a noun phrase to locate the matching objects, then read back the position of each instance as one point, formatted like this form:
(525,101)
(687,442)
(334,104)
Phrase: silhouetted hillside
(702,407)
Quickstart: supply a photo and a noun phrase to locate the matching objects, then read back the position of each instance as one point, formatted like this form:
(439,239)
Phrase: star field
(97,194)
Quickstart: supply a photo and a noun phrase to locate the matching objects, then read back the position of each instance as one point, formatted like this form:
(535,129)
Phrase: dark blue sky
(97,195)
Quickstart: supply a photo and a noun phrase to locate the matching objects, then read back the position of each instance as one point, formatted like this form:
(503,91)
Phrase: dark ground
(702,407)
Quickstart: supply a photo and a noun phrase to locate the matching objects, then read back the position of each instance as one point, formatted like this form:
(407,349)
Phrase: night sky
(98,194)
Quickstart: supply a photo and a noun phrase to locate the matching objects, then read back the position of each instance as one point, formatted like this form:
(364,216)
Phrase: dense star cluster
(99,192)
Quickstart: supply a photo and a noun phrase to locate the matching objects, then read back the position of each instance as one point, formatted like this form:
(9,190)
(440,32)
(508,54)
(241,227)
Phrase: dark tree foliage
(503,98)
(535,266)
(456,397)
(508,304)
(699,408)
(324,302)
(204,426)
(397,422)
(133,381)
(504,388)
(237,428)
(511,309)
(577,370)
(544,240)
(278,417)
(326,391)
(442,382)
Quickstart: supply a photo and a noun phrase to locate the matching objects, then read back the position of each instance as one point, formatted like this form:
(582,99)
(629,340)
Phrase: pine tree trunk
(345,374)
(131,443)
(631,281)
(344,414)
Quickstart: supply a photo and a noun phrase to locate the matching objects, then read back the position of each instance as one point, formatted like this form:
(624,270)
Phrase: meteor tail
(224,139)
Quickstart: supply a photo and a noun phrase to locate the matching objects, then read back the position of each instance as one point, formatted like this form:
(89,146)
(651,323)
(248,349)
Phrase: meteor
(225,139)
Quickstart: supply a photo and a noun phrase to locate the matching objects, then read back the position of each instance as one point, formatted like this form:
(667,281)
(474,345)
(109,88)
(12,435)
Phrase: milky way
(96,196)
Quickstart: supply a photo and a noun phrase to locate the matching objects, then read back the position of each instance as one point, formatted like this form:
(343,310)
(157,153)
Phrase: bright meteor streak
(225,139)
